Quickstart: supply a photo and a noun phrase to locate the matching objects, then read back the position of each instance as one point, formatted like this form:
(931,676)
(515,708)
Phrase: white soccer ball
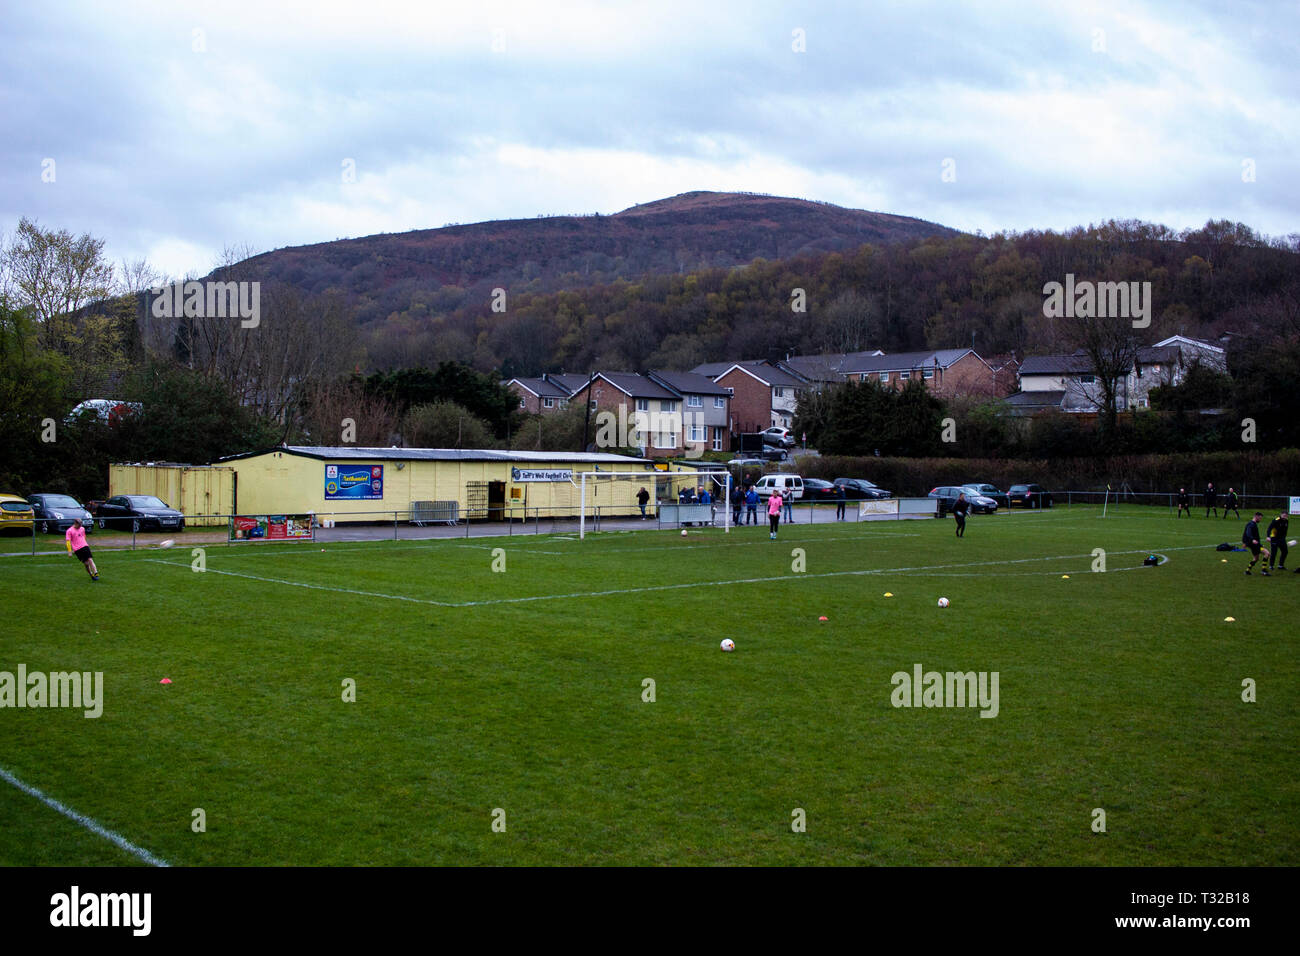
(728,644)
(683,532)
(943,602)
(166,544)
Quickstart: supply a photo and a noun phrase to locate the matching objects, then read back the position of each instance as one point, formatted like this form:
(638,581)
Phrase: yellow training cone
(1065,577)
(1229,619)
(889,594)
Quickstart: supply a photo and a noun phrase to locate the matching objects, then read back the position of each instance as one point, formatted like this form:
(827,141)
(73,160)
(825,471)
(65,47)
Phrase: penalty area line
(80,818)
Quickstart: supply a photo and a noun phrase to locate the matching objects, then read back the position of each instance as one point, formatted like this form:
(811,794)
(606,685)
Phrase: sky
(175,130)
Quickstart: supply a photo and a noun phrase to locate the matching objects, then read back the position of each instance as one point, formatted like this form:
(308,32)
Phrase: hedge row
(1250,472)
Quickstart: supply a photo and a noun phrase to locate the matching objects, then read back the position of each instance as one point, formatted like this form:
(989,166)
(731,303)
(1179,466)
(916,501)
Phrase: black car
(139,513)
(814,489)
(56,513)
(859,489)
(1029,496)
(947,495)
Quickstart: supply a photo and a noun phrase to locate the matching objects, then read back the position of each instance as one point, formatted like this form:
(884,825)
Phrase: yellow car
(15,513)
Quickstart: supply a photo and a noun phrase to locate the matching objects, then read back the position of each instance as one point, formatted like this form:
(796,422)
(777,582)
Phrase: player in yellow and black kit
(1277,549)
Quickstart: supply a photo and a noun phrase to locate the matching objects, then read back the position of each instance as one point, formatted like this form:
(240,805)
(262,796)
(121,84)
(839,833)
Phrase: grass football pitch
(502,716)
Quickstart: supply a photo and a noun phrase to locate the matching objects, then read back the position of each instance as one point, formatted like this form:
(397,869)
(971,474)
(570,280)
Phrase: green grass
(1119,690)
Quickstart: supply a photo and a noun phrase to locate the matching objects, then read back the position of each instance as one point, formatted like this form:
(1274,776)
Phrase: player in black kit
(1184,503)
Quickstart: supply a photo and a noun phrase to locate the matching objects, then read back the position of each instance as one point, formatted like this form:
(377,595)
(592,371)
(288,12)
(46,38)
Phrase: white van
(786,484)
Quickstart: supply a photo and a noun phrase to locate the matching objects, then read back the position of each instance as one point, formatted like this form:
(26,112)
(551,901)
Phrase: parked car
(814,489)
(139,513)
(859,489)
(778,436)
(775,453)
(15,514)
(1029,496)
(55,513)
(988,491)
(786,483)
(947,495)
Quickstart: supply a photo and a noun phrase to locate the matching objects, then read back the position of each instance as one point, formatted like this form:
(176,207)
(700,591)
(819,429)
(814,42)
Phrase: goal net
(672,498)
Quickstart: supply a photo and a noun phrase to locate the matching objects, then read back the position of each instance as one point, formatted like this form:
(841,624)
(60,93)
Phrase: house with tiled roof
(943,371)
(537,395)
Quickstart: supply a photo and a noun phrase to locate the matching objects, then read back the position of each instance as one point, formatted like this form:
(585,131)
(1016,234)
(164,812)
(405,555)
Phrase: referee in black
(1230,503)
(1184,503)
(1211,500)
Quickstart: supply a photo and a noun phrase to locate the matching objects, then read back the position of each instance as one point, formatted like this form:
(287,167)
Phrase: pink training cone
(823,618)
(165,680)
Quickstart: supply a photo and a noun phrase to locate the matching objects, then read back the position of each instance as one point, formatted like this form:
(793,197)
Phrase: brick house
(635,400)
(944,371)
(762,395)
(706,408)
(537,395)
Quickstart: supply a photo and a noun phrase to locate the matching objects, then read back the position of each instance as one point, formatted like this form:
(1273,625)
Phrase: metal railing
(509,520)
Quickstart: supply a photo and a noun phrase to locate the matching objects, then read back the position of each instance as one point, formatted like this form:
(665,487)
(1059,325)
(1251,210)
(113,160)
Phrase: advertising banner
(354,482)
(271,528)
(884,506)
(529,474)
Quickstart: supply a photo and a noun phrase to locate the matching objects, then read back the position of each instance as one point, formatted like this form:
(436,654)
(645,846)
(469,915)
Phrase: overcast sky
(174,129)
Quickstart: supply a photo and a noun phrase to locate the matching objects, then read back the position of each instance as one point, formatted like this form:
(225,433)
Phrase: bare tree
(1112,349)
(338,413)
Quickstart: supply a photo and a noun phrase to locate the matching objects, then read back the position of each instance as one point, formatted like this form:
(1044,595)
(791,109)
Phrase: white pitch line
(85,821)
(649,588)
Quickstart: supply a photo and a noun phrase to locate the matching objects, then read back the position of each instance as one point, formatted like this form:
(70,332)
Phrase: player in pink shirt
(75,539)
(774,511)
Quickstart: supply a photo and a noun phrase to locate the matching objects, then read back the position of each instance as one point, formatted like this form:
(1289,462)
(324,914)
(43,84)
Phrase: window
(1087,379)
(778,392)
(667,406)
(884,377)
(927,373)
(719,401)
(717,439)
(904,376)
(523,402)
(698,434)
(665,439)
(548,403)
(592,404)
(643,404)
(694,401)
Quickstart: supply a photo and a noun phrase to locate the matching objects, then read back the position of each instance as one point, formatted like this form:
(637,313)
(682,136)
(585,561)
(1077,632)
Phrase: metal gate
(476,499)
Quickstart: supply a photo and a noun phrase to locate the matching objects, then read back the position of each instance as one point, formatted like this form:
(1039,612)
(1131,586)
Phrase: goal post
(613,494)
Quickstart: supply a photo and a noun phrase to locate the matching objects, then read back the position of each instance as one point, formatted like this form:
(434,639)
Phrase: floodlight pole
(582,509)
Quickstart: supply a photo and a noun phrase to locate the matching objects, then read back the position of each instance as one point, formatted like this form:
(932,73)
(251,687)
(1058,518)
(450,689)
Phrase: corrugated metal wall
(195,490)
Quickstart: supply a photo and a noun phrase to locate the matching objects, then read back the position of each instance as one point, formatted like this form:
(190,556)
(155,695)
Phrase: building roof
(1159,355)
(714,369)
(688,383)
(828,367)
(864,362)
(1046,399)
(570,381)
(353,452)
(540,387)
(765,373)
(635,386)
(1188,340)
(1075,363)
